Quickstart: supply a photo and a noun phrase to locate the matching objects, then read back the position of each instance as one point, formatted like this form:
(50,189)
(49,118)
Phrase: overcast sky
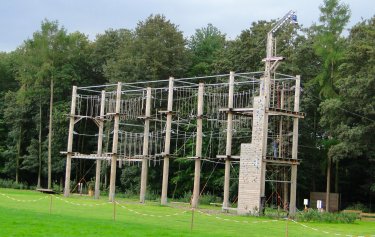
(20,18)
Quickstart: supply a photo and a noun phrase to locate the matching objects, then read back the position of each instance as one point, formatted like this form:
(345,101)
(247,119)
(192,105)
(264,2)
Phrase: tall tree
(155,50)
(52,59)
(106,47)
(350,117)
(205,46)
(7,82)
(329,46)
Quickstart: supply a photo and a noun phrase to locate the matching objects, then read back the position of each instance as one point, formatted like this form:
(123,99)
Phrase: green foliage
(205,46)
(9,183)
(358,206)
(327,217)
(208,198)
(154,51)
(329,45)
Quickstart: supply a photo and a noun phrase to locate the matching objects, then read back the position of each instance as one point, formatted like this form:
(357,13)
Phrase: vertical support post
(146,133)
(228,149)
(167,144)
(70,142)
(100,146)
(264,150)
(112,181)
(198,147)
(281,138)
(293,185)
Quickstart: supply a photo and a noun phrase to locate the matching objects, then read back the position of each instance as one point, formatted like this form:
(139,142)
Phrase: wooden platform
(284,161)
(45,190)
(271,111)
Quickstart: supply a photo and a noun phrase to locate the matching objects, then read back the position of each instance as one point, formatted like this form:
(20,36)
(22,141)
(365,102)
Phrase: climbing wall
(251,179)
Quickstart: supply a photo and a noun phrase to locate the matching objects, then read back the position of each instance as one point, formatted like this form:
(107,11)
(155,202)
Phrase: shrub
(314,215)
(275,212)
(209,198)
(358,206)
(7,183)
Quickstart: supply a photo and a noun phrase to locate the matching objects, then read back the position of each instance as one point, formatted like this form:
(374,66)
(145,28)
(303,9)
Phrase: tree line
(338,79)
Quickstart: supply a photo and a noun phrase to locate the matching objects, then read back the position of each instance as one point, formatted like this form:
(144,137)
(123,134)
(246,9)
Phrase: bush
(7,183)
(358,206)
(314,215)
(209,198)
(275,212)
(186,198)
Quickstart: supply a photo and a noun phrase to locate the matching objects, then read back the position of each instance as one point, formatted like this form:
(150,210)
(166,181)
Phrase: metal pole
(293,186)
(100,146)
(228,150)
(164,191)
(70,143)
(112,182)
(146,133)
(198,147)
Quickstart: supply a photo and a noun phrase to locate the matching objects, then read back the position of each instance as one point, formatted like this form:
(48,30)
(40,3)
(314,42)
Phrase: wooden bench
(44,190)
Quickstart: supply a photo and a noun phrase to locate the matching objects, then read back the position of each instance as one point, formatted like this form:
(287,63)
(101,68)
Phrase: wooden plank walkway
(45,190)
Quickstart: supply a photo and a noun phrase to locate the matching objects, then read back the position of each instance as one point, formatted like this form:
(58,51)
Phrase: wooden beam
(167,144)
(228,148)
(100,123)
(146,133)
(112,181)
(70,143)
(293,186)
(198,147)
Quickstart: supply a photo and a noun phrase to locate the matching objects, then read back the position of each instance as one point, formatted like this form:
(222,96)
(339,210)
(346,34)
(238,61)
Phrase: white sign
(319,204)
(305,202)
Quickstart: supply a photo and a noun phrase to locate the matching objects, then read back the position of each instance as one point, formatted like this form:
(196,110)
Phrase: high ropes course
(199,118)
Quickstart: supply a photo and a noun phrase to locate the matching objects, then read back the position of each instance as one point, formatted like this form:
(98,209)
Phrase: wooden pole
(50,205)
(100,146)
(164,191)
(198,147)
(293,184)
(50,138)
(112,181)
(146,133)
(264,152)
(228,149)
(70,143)
(114,209)
(328,187)
(286,228)
(192,219)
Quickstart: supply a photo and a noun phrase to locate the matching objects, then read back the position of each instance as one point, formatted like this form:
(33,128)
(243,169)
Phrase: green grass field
(28,213)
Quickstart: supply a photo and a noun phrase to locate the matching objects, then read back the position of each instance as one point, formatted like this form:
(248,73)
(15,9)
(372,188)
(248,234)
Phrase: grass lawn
(27,213)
